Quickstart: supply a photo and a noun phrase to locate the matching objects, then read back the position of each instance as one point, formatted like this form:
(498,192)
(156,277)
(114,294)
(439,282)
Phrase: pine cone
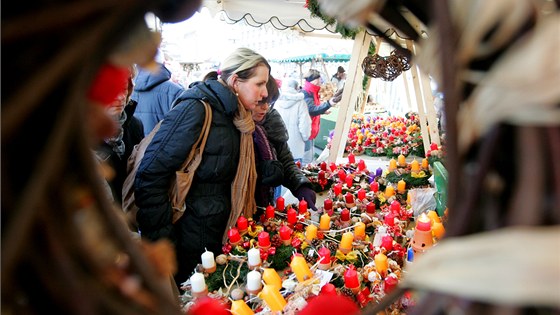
(348,292)
(332,246)
(310,259)
(316,243)
(276,241)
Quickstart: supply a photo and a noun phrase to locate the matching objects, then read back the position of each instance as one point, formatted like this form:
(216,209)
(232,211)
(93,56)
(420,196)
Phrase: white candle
(254,281)
(197,282)
(254,257)
(208,261)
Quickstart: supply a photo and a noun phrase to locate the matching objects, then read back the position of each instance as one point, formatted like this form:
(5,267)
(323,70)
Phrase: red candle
(327,204)
(269,214)
(302,206)
(361,165)
(328,289)
(351,158)
(292,216)
(321,175)
(324,255)
(361,194)
(345,215)
(374,186)
(390,283)
(323,166)
(298,164)
(349,198)
(395,207)
(264,239)
(337,189)
(332,166)
(424,223)
(389,219)
(242,223)
(433,146)
(285,233)
(280,203)
(233,235)
(351,278)
(370,208)
(349,180)
(387,242)
(341,175)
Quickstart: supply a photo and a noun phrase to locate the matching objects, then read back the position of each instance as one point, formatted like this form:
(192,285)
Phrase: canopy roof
(316,57)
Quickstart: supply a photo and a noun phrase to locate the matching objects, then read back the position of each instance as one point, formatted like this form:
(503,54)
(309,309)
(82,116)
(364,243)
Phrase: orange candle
(272,297)
(346,242)
(414,166)
(300,268)
(402,160)
(389,191)
(381,263)
(325,222)
(310,232)
(438,230)
(425,164)
(360,231)
(239,307)
(271,277)
(401,186)
(392,165)
(433,216)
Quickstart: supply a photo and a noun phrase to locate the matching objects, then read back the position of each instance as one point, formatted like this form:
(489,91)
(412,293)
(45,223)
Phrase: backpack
(183,177)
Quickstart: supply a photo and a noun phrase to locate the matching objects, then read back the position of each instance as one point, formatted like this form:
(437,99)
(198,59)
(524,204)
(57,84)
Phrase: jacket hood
(220,96)
(289,98)
(147,80)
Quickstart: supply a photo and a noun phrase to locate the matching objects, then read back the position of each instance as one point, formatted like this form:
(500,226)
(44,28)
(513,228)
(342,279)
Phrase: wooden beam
(419,100)
(352,88)
(430,109)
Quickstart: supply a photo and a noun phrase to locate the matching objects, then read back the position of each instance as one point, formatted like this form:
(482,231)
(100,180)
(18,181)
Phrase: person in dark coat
(155,93)
(274,160)
(224,183)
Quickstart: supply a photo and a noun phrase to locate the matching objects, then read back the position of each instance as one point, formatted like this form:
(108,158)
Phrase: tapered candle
(381,263)
(361,165)
(302,207)
(349,180)
(292,216)
(351,158)
(392,165)
(345,215)
(280,203)
(374,186)
(300,268)
(234,236)
(401,160)
(337,189)
(310,232)
(341,175)
(346,242)
(425,164)
(254,284)
(198,285)
(360,231)
(208,262)
(253,258)
(414,166)
(401,186)
(389,191)
(327,204)
(272,297)
(323,166)
(361,194)
(239,307)
(325,222)
(271,277)
(370,208)
(269,213)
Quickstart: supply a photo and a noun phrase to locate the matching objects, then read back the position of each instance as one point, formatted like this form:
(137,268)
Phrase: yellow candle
(401,186)
(402,160)
(325,222)
(239,307)
(360,231)
(311,232)
(300,268)
(381,263)
(392,165)
(433,216)
(414,166)
(438,230)
(389,191)
(272,297)
(270,276)
(346,242)
(425,164)
(408,200)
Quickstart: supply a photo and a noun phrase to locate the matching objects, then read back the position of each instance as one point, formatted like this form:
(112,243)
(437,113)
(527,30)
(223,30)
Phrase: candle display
(310,232)
(351,280)
(300,268)
(345,215)
(254,284)
(337,189)
(349,180)
(414,166)
(346,242)
(370,208)
(361,194)
(254,258)
(389,191)
(198,285)
(360,231)
(401,160)
(292,216)
(425,164)
(361,165)
(264,240)
(302,207)
(392,165)
(269,212)
(327,204)
(273,299)
(351,158)
(280,203)
(325,222)
(208,262)
(341,175)
(271,277)
(285,234)
(401,186)
(234,236)
(323,166)
(239,307)
(324,258)
(349,198)
(374,186)
(381,263)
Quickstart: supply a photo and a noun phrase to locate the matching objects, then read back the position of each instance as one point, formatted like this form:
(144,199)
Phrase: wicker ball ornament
(387,68)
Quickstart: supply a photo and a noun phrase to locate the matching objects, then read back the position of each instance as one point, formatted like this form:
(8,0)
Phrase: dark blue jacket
(154,93)
(208,203)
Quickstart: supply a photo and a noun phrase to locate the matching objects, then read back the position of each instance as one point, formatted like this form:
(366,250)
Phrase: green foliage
(281,259)
(346,32)
(215,280)
(411,182)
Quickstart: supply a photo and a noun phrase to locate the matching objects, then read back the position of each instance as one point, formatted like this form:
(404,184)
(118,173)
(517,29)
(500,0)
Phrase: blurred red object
(109,82)
(330,304)
(208,305)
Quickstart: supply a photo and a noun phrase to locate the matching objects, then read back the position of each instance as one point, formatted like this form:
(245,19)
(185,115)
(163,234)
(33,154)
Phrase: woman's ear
(234,81)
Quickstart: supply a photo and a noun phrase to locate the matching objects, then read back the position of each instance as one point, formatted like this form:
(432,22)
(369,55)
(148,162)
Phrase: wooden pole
(352,88)
(419,101)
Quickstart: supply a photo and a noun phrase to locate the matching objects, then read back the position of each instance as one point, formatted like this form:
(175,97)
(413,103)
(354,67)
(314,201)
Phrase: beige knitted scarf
(243,186)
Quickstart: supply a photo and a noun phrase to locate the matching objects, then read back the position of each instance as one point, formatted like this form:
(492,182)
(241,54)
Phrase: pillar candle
(208,262)
(325,222)
(389,219)
(370,208)
(351,280)
(434,146)
(332,166)
(264,239)
(337,189)
(328,289)
(253,258)
(425,164)
(234,236)
(323,166)
(438,230)
(321,175)
(280,203)
(269,213)
(242,224)
(310,232)
(349,180)
(414,166)
(433,216)
(292,216)
(361,165)
(346,242)
(387,242)
(302,207)
(389,191)
(349,198)
(390,283)
(300,268)
(351,158)
(374,186)
(395,207)
(341,175)
(408,198)
(360,231)
(285,233)
(423,223)
(271,277)
(361,194)
(327,204)
(392,165)
(401,160)
(239,307)
(198,285)
(381,263)
(401,186)
(379,171)
(273,299)
(345,215)
(324,255)
(254,282)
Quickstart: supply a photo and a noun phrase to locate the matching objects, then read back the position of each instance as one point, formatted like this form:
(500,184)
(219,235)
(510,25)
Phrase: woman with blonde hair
(224,183)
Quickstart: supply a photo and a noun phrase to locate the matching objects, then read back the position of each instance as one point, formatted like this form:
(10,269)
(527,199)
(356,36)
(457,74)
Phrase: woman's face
(259,112)
(252,90)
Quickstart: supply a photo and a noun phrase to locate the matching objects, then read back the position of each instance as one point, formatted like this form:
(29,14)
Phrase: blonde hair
(242,62)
